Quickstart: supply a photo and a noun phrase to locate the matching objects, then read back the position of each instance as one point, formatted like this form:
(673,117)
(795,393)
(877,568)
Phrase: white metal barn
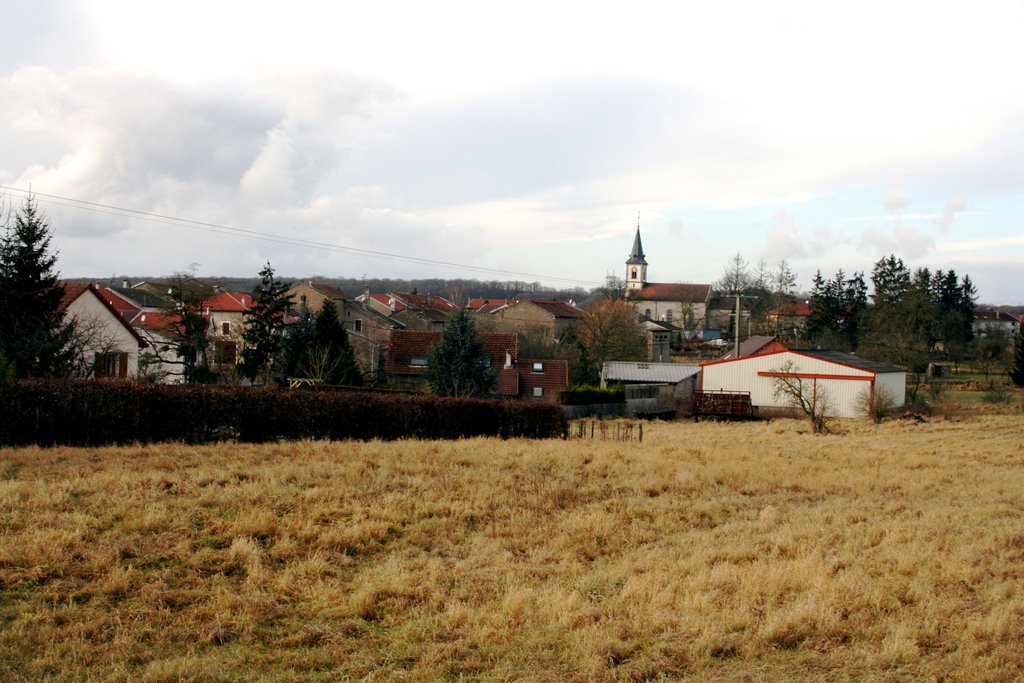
(844,377)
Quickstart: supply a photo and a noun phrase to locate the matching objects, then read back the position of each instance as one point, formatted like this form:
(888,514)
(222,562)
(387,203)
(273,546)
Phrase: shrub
(94,413)
(587,395)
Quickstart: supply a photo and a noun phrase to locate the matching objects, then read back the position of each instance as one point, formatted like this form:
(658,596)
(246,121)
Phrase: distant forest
(456,290)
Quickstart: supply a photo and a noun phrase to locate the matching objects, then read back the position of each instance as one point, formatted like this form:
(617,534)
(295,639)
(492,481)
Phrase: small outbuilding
(846,379)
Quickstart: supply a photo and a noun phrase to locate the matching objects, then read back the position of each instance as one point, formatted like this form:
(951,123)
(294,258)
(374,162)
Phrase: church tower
(636,266)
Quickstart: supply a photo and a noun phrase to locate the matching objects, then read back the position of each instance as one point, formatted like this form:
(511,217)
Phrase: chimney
(508,360)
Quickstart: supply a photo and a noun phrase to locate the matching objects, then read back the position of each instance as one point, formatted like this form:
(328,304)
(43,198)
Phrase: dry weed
(712,551)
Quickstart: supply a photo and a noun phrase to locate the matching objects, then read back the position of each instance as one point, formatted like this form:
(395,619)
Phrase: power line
(97,207)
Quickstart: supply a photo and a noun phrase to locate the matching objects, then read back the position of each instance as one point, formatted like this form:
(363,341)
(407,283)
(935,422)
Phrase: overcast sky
(523,137)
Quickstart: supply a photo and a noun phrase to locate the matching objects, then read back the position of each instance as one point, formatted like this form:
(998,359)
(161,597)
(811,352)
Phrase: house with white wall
(106,345)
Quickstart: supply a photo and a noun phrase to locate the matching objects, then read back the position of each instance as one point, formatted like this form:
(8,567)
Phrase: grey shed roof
(851,360)
(660,373)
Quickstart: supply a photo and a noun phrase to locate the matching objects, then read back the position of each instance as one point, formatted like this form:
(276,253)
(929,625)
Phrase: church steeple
(636,266)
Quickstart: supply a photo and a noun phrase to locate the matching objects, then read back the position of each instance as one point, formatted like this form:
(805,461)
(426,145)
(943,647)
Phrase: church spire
(636,256)
(636,266)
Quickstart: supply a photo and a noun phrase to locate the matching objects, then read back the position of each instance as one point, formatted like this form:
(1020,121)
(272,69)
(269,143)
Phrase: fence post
(641,432)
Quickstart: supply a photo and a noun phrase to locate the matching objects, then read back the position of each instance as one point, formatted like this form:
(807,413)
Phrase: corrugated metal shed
(614,372)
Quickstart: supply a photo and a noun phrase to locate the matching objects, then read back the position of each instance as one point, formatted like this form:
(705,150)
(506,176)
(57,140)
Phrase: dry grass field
(712,551)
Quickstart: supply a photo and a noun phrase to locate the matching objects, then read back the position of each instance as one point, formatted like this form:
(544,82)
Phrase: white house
(106,345)
(845,379)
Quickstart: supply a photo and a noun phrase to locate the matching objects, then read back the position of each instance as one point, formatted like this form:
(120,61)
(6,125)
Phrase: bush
(95,413)
(588,395)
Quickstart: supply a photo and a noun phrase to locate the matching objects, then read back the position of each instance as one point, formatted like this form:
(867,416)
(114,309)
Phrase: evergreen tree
(297,338)
(264,324)
(330,357)
(1017,369)
(34,338)
(459,364)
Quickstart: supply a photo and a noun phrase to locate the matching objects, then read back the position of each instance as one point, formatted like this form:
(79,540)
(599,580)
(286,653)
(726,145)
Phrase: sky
(518,142)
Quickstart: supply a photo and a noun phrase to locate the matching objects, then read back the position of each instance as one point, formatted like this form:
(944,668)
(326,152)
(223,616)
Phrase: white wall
(844,385)
(100,331)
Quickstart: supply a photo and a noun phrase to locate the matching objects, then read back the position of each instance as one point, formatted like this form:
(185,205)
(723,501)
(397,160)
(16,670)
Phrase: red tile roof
(229,302)
(666,291)
(74,290)
(995,316)
(479,302)
(425,301)
(125,308)
(799,308)
(559,309)
(388,301)
(160,322)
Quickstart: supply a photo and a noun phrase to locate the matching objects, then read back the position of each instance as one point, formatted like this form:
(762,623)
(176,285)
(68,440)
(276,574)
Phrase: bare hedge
(97,413)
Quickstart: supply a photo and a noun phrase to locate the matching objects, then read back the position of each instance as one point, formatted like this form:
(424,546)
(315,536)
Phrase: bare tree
(806,396)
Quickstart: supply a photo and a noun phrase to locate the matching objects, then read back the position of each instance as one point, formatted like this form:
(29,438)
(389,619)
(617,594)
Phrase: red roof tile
(559,309)
(666,291)
(479,302)
(126,309)
(798,308)
(72,290)
(229,302)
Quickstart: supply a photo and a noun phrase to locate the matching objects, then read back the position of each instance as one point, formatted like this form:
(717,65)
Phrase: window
(538,366)
(225,328)
(634,274)
(538,392)
(647,314)
(418,362)
(358,325)
(668,315)
(113,364)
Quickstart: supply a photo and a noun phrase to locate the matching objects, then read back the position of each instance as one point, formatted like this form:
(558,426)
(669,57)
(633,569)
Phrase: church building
(682,305)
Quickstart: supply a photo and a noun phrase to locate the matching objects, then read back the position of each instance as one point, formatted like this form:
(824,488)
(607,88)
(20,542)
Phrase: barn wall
(896,383)
(742,375)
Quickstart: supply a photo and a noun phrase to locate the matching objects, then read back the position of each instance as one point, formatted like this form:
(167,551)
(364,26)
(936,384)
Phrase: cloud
(904,241)
(896,200)
(784,241)
(954,206)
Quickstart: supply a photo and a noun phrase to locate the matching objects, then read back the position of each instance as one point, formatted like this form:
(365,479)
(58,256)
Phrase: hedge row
(96,413)
(588,395)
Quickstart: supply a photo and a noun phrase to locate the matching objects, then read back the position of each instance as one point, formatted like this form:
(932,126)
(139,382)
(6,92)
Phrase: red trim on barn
(812,375)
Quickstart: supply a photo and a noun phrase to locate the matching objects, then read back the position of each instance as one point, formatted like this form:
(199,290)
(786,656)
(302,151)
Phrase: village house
(415,311)
(369,330)
(986,322)
(537,379)
(545,320)
(106,345)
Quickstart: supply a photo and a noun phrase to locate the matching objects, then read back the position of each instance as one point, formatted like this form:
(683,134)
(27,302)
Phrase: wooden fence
(615,430)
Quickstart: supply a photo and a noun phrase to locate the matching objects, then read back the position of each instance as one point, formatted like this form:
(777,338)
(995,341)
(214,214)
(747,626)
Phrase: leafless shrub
(877,403)
(813,401)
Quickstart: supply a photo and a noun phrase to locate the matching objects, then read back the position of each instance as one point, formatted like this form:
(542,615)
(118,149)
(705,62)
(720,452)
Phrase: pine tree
(459,364)
(330,356)
(1017,369)
(298,336)
(34,338)
(264,324)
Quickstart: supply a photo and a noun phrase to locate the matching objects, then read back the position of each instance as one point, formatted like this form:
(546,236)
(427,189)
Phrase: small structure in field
(846,381)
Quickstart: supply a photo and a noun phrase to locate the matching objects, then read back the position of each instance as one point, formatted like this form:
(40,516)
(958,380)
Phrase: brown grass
(711,552)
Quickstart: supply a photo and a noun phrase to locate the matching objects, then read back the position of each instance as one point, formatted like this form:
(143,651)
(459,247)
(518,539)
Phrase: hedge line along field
(709,552)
